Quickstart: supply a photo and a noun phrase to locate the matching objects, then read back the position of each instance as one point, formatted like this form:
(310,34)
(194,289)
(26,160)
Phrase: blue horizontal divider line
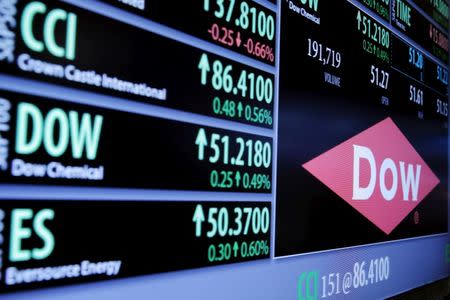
(37,88)
(267,4)
(351,248)
(35,192)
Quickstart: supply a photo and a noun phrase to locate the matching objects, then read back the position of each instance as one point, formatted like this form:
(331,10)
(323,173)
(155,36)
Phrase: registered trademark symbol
(416,217)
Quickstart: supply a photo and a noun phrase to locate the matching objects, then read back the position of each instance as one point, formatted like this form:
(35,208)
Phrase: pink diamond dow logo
(378,172)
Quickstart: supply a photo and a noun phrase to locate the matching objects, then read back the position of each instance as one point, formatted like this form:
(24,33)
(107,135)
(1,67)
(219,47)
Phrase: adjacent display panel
(44,239)
(69,144)
(375,169)
(226,149)
(149,72)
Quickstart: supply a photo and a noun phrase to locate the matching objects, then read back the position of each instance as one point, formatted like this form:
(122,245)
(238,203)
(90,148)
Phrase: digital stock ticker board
(223,149)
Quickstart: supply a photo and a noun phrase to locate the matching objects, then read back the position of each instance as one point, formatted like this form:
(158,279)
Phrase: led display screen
(223,149)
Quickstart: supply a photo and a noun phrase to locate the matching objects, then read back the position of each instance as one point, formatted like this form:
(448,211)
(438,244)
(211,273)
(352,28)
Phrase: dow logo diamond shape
(378,172)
